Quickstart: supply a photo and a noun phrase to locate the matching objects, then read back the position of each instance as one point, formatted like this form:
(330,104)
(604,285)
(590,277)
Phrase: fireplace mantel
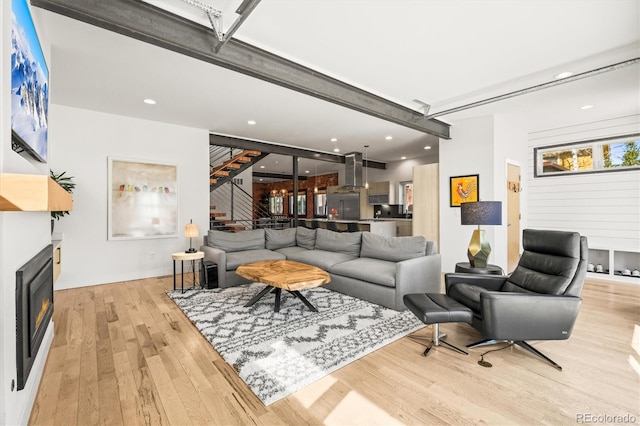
(35,193)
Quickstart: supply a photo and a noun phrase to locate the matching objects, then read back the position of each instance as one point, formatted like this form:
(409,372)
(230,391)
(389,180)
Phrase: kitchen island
(380,227)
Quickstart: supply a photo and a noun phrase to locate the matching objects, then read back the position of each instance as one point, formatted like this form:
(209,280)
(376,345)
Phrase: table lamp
(480,213)
(190,231)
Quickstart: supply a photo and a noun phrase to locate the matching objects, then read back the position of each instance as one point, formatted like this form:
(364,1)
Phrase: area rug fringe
(279,353)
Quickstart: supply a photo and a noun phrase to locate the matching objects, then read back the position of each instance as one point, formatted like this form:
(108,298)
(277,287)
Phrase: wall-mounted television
(29,86)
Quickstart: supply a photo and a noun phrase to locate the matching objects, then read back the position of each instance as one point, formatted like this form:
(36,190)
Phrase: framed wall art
(143,199)
(463,189)
(29,87)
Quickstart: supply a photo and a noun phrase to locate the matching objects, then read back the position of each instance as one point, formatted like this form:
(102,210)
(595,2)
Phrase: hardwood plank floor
(123,353)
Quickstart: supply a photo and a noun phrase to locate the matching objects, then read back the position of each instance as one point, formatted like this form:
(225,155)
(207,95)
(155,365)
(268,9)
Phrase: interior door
(513,216)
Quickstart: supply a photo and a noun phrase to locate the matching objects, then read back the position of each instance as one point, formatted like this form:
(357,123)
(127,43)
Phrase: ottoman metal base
(436,309)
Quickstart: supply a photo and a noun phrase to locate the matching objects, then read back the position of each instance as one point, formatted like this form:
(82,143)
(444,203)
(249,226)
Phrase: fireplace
(34,309)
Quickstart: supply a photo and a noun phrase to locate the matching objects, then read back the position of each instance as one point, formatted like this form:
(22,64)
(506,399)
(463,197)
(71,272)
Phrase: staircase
(225,163)
(232,208)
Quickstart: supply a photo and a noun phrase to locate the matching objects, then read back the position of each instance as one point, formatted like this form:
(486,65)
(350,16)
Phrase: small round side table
(182,256)
(465,267)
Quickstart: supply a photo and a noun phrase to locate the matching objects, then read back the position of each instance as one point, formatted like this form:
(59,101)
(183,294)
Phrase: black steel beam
(151,24)
(234,142)
(277,176)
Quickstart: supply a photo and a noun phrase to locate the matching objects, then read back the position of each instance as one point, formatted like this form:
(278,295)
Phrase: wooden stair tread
(232,163)
(217,214)
(220,173)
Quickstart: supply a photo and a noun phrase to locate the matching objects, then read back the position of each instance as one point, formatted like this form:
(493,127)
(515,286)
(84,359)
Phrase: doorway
(513,216)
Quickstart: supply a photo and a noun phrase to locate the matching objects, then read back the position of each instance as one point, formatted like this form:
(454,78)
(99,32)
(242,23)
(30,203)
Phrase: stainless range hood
(353,170)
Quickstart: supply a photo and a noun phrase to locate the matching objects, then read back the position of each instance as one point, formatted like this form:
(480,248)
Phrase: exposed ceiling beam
(234,142)
(151,24)
(277,176)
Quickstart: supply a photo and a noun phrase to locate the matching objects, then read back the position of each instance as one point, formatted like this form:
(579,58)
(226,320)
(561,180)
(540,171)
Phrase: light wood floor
(123,353)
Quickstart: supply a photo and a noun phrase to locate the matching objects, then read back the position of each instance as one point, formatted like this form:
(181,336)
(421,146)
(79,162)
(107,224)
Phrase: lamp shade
(481,213)
(191,230)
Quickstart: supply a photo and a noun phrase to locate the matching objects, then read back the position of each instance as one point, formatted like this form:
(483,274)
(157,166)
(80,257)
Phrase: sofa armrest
(219,257)
(419,275)
(489,282)
(525,316)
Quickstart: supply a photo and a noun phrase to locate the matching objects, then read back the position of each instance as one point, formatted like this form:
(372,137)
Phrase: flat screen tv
(29,86)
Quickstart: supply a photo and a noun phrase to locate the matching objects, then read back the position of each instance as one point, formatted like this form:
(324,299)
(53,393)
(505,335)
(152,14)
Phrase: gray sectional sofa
(368,266)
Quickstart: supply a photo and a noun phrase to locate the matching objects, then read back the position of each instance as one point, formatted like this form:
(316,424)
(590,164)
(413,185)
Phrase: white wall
(470,151)
(82,141)
(22,235)
(603,206)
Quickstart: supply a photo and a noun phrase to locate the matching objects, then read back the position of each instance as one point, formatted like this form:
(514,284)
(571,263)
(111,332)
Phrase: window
(405,196)
(598,155)
(276,203)
(320,203)
(301,203)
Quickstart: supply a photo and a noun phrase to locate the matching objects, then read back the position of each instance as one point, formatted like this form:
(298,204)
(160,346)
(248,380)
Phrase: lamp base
(190,250)
(479,250)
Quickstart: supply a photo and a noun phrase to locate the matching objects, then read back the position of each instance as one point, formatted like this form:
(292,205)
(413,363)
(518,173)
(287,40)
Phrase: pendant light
(366,180)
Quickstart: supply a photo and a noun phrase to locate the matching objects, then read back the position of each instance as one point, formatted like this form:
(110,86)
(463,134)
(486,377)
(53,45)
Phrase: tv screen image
(29,85)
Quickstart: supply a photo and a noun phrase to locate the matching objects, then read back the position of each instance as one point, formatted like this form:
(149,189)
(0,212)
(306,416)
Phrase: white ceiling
(445,53)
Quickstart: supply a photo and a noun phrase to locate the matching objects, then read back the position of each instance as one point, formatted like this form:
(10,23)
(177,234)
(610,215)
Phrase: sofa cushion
(279,238)
(324,260)
(237,258)
(393,249)
(290,251)
(306,237)
(341,242)
(236,241)
(375,271)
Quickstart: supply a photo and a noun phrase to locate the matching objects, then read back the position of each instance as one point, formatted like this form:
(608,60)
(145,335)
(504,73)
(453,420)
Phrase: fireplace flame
(43,310)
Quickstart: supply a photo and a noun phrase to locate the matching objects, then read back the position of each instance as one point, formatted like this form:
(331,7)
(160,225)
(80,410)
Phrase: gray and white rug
(278,353)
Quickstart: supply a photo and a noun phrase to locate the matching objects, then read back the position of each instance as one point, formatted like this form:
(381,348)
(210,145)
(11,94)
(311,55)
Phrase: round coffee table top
(285,274)
(183,255)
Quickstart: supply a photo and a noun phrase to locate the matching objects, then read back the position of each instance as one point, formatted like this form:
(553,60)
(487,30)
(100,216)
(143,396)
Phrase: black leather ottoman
(436,309)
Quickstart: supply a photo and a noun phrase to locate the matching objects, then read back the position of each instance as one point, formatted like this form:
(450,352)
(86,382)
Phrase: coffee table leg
(277,306)
(304,300)
(258,296)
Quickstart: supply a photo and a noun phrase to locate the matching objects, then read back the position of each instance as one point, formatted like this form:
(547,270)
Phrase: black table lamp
(480,213)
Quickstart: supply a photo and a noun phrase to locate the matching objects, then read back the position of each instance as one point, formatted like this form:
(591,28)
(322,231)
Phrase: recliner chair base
(522,344)
(436,340)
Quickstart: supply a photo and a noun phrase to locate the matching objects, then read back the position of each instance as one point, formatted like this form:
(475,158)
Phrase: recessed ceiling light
(336,149)
(427,147)
(563,75)
(334,140)
(586,107)
(251,123)
(262,167)
(306,171)
(149,101)
(260,179)
(403,158)
(389,138)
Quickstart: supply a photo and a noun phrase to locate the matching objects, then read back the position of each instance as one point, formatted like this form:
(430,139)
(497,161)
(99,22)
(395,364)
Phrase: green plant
(67,184)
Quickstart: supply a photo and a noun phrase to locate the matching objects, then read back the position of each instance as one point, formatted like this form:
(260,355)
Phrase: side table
(465,267)
(182,256)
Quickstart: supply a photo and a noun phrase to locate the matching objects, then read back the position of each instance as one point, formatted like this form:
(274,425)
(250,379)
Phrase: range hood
(353,170)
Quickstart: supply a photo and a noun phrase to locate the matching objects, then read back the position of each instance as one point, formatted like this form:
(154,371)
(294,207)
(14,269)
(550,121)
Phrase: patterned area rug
(278,353)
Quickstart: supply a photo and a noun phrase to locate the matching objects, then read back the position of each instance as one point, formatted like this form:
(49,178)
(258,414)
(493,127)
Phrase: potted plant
(68,185)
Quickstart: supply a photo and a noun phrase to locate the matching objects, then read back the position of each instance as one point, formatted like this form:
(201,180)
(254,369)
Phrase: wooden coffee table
(283,275)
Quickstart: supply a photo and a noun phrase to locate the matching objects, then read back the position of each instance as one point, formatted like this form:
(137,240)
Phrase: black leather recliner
(539,300)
